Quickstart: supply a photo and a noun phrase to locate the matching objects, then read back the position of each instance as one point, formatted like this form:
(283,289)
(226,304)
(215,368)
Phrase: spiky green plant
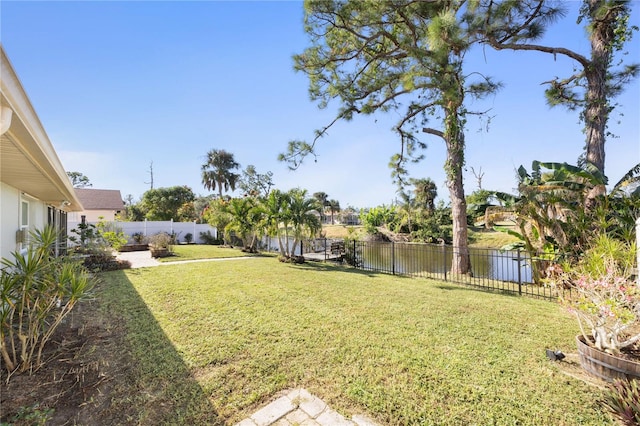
(37,290)
(623,400)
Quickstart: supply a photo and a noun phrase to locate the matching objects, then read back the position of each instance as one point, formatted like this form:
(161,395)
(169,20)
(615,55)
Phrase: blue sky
(118,85)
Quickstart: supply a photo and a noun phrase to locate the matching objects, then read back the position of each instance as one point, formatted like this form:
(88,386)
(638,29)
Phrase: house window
(24,214)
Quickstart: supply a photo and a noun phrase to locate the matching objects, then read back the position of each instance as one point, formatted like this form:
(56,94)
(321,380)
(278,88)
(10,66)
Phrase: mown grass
(490,239)
(202,251)
(403,351)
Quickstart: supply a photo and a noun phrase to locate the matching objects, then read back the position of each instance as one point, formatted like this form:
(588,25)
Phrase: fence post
(444,252)
(325,249)
(638,251)
(355,257)
(519,274)
(393,258)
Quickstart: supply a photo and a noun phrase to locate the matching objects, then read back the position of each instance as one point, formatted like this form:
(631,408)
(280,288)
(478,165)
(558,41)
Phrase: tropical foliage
(216,215)
(246,220)
(37,292)
(281,215)
(300,213)
(552,216)
(377,216)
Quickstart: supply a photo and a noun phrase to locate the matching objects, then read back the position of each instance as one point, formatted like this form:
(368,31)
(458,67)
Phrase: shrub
(208,238)
(161,240)
(377,216)
(115,240)
(37,291)
(138,237)
(188,237)
(111,234)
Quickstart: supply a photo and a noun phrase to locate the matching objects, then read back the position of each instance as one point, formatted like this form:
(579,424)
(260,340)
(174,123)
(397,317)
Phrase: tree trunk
(461,258)
(281,246)
(454,138)
(597,111)
(286,240)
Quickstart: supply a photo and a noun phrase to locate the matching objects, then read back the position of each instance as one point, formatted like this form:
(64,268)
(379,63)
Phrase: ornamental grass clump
(603,296)
(37,290)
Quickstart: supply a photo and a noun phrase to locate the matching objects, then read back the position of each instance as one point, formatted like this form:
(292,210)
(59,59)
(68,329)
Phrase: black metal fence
(507,271)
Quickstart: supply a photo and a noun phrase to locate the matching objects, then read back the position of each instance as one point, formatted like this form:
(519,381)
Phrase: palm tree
(300,213)
(425,192)
(323,199)
(334,206)
(217,171)
(276,218)
(246,217)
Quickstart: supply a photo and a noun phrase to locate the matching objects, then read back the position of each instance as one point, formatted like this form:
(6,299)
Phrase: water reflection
(434,260)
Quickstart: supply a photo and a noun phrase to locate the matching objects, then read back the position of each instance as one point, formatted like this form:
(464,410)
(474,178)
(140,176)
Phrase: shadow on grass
(471,287)
(335,266)
(164,390)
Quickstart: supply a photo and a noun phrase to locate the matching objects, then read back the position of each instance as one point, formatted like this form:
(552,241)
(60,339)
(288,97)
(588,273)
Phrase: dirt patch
(86,367)
(571,367)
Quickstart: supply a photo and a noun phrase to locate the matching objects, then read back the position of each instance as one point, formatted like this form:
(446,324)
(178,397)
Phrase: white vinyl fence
(149,228)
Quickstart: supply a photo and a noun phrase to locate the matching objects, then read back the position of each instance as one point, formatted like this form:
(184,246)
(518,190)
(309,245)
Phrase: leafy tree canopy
(165,203)
(255,184)
(78,180)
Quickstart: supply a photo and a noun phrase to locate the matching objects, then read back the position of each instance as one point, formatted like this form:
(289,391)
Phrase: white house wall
(10,210)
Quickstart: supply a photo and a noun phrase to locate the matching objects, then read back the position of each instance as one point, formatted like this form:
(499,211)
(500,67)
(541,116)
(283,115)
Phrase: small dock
(323,256)
(334,253)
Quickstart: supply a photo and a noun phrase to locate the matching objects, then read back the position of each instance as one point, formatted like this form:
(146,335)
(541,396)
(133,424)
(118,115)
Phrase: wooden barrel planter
(133,247)
(159,251)
(606,366)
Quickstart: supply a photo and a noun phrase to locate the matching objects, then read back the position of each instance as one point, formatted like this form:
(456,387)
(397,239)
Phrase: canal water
(434,260)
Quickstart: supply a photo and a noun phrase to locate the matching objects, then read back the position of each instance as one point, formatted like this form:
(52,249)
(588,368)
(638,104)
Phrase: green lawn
(202,251)
(214,341)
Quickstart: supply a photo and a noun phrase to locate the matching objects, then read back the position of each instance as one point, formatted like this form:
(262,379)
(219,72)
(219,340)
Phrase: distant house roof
(100,199)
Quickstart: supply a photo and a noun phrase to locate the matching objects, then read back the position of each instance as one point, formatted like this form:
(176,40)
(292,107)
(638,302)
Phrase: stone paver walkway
(299,407)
